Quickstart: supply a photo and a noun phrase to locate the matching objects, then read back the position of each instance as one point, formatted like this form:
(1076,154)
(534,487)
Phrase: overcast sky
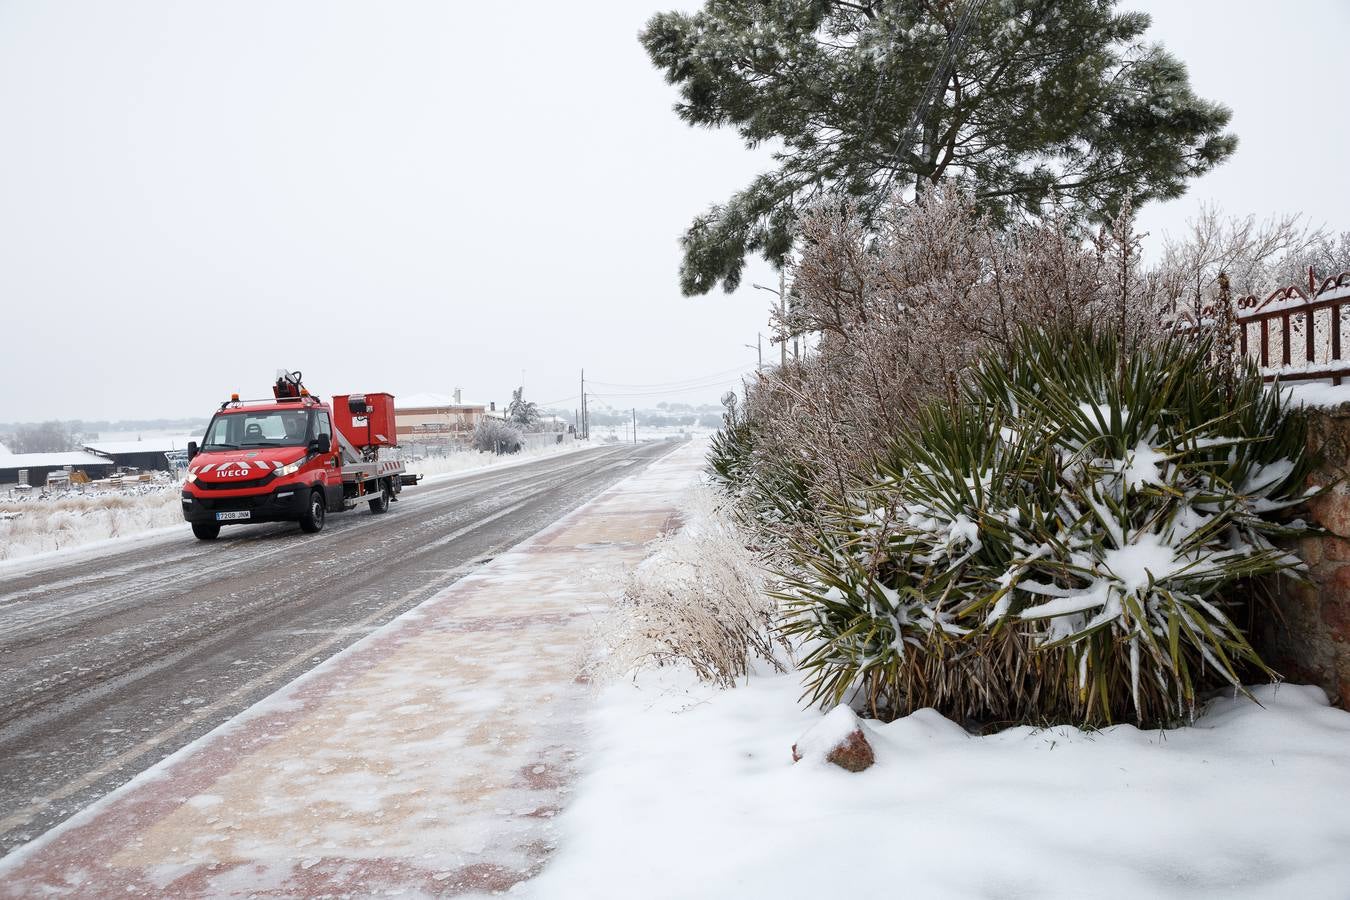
(418,196)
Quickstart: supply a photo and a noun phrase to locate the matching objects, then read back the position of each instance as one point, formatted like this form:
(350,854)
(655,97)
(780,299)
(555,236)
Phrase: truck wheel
(206,531)
(381,504)
(311,522)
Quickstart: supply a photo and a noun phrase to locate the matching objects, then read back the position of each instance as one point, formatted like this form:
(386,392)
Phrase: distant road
(110,663)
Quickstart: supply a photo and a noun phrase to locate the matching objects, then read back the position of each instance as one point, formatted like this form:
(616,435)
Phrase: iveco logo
(231,473)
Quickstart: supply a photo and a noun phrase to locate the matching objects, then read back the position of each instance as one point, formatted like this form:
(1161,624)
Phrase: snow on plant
(1061,545)
(771,495)
(1166,483)
(492,435)
(699,599)
(729,450)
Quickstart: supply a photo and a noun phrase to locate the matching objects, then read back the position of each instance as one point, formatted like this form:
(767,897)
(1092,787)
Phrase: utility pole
(583,404)
(758,347)
(635,425)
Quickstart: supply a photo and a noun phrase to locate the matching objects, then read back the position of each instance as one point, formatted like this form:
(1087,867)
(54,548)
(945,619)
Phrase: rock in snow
(838,738)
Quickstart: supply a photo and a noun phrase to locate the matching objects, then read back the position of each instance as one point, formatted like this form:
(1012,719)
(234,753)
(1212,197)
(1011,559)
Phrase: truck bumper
(285,504)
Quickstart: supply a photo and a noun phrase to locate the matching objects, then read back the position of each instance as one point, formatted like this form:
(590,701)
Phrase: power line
(652,391)
(619,390)
(738,370)
(660,392)
(652,394)
(566,399)
(939,78)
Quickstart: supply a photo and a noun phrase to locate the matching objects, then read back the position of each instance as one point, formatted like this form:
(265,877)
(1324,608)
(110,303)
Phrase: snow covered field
(692,792)
(39,526)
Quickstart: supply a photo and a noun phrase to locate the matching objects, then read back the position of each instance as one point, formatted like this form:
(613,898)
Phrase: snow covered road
(110,661)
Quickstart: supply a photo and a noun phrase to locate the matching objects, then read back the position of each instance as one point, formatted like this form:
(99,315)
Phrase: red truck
(293,458)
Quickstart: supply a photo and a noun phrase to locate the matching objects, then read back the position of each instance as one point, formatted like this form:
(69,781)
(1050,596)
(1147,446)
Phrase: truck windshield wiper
(219,447)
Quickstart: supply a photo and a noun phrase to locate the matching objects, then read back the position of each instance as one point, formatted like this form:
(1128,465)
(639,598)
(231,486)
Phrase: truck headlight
(287,470)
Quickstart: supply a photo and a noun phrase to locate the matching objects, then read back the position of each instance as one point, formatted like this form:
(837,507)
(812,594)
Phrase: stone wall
(1312,644)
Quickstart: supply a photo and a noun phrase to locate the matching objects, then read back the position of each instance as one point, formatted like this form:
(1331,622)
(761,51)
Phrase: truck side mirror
(323,444)
(192,450)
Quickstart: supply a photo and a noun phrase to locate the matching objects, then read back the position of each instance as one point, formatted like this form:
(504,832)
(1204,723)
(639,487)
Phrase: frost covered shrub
(495,436)
(698,599)
(729,452)
(1059,546)
(897,312)
(772,496)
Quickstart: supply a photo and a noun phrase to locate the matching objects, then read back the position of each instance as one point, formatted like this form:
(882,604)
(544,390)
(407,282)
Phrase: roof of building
(431,401)
(154,444)
(44,460)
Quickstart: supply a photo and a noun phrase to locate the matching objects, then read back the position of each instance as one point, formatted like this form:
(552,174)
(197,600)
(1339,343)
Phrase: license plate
(232,516)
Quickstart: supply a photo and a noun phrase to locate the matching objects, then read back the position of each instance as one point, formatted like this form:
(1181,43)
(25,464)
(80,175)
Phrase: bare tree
(1328,256)
(48,437)
(1253,253)
(900,312)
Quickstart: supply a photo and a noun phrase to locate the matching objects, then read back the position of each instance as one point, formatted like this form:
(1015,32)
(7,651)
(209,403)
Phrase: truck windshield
(270,428)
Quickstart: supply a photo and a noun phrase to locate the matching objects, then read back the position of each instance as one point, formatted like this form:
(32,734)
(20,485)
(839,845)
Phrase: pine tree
(1044,101)
(522,412)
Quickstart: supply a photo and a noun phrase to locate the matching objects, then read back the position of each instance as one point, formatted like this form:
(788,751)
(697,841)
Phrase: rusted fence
(1293,334)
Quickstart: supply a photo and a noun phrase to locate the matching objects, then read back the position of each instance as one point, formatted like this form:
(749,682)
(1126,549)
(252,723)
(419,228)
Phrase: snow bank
(691,792)
(1318,393)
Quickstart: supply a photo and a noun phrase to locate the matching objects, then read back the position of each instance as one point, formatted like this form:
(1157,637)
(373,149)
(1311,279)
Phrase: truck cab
(288,460)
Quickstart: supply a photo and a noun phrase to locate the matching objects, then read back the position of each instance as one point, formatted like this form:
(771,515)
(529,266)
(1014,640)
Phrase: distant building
(37,466)
(148,455)
(435,419)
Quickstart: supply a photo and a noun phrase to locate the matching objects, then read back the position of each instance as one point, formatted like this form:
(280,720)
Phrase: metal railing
(1292,334)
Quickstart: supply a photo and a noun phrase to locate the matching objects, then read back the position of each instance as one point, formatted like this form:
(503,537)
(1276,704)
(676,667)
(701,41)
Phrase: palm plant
(1063,546)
